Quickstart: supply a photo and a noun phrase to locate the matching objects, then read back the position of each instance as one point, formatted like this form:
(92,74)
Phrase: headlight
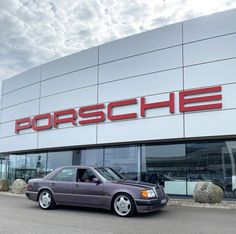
(147,193)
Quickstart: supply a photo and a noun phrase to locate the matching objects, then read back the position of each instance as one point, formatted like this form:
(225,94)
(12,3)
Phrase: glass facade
(165,165)
(176,166)
(123,159)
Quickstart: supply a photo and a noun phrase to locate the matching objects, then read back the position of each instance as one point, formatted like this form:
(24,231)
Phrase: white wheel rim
(122,205)
(45,200)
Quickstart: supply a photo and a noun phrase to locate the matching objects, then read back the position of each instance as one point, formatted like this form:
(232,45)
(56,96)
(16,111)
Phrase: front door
(86,192)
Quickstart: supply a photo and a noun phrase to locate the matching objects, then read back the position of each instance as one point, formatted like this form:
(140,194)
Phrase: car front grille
(160,191)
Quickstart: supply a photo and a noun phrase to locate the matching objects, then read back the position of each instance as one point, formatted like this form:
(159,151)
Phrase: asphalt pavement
(20,215)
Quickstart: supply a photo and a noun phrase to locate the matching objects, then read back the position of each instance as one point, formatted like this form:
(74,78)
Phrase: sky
(33,32)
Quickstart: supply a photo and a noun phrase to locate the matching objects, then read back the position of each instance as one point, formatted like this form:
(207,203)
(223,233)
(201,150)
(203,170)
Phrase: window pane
(16,167)
(67,175)
(57,159)
(89,157)
(85,175)
(124,160)
(35,165)
(213,162)
(165,165)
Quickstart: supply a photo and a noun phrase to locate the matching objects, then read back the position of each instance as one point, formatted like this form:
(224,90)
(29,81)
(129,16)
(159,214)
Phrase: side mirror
(96,180)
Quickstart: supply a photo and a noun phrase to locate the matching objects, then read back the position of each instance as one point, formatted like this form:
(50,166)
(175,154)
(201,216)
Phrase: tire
(123,205)
(46,200)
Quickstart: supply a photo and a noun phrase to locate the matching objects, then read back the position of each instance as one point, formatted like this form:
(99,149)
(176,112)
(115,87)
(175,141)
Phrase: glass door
(3,167)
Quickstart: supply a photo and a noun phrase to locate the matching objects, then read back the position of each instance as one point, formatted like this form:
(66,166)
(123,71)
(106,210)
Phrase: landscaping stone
(19,186)
(4,185)
(206,192)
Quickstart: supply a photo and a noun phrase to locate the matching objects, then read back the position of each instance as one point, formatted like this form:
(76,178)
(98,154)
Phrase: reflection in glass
(35,165)
(16,167)
(89,157)
(123,159)
(58,159)
(26,166)
(213,162)
(165,165)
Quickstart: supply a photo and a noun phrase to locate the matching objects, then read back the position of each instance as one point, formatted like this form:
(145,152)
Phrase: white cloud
(35,31)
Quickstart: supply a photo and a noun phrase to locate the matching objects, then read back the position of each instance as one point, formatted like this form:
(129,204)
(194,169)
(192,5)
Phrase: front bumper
(32,195)
(144,206)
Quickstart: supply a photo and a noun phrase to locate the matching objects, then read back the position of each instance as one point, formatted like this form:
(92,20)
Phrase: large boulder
(19,186)
(4,185)
(206,192)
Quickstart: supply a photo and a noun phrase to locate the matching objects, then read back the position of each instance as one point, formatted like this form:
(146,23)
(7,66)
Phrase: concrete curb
(12,194)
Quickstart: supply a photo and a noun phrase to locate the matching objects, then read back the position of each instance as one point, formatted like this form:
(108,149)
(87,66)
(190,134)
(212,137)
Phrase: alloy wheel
(45,200)
(123,205)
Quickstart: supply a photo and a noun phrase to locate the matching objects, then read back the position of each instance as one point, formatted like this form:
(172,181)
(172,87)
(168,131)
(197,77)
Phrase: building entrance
(3,167)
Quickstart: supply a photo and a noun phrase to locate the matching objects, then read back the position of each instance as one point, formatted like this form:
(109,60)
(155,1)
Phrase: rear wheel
(46,201)
(123,205)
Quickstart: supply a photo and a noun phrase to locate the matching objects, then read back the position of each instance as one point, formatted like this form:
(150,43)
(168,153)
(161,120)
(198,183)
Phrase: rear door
(61,185)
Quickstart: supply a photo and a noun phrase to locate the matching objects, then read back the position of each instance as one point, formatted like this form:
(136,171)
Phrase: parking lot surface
(19,215)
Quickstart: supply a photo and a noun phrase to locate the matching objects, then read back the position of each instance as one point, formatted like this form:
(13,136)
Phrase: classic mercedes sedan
(100,187)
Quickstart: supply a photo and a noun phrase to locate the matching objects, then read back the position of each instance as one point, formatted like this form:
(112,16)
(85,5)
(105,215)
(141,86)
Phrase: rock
(4,185)
(19,186)
(206,192)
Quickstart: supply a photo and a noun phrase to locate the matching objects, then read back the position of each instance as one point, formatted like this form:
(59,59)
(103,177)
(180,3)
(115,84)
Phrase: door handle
(52,184)
(76,185)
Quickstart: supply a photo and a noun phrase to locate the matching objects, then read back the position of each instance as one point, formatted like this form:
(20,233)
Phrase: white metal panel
(24,79)
(210,50)
(71,99)
(167,127)
(21,95)
(210,123)
(74,62)
(150,84)
(229,96)
(8,129)
(83,135)
(141,43)
(209,26)
(26,109)
(16,143)
(210,74)
(141,64)
(74,80)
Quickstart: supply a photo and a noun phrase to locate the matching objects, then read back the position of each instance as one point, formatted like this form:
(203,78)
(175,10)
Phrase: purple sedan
(100,187)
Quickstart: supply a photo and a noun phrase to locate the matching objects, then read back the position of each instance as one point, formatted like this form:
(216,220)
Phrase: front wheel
(123,205)
(46,201)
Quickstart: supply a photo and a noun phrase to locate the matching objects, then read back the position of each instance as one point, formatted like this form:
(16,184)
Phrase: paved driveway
(19,215)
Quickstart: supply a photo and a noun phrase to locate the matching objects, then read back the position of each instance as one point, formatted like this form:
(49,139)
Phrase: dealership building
(159,106)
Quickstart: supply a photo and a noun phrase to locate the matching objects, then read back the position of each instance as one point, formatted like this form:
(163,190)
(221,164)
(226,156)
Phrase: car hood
(135,183)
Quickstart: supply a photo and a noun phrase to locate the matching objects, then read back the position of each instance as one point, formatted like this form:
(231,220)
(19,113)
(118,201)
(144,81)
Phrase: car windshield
(109,174)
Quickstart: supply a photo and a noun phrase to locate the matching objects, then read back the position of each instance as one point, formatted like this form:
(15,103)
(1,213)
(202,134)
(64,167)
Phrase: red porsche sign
(188,101)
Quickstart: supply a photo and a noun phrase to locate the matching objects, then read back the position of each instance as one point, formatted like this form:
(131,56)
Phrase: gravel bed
(192,203)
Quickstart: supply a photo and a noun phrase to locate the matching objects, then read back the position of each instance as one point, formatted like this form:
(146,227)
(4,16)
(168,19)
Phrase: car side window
(67,174)
(85,175)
